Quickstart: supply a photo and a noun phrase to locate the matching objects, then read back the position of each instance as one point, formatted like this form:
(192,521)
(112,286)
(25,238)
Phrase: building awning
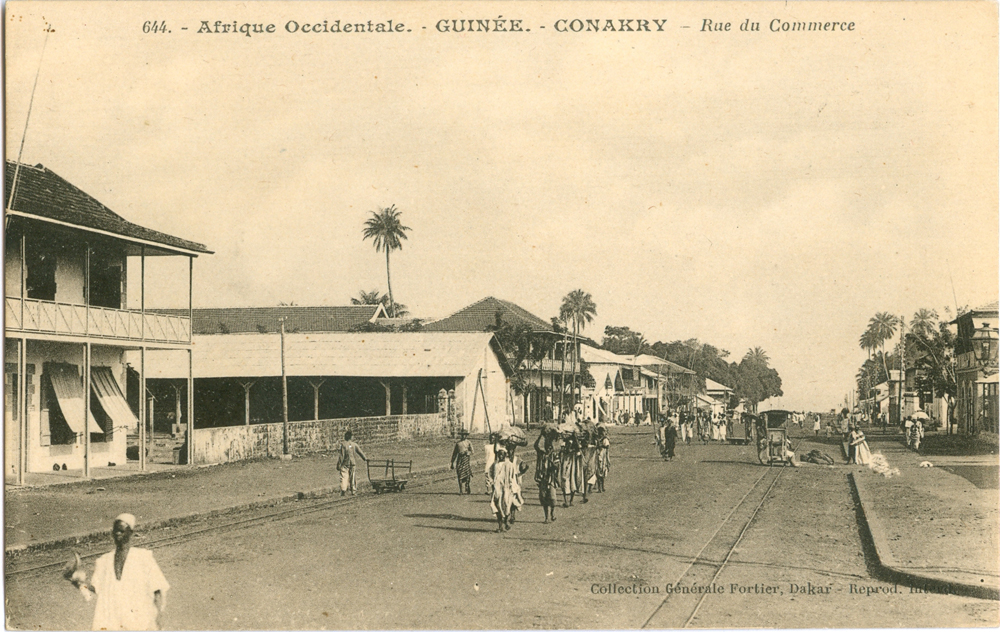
(112,400)
(69,393)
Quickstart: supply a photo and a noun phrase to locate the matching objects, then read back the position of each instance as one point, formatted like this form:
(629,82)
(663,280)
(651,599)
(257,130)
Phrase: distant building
(332,375)
(550,374)
(976,373)
(257,320)
(70,275)
(718,392)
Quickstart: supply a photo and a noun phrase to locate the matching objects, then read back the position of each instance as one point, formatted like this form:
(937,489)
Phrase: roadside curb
(888,569)
(16,550)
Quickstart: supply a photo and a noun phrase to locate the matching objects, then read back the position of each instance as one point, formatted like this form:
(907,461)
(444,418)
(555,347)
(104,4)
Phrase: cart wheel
(763,456)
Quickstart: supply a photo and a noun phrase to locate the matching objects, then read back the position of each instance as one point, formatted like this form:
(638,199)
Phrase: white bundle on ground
(880,465)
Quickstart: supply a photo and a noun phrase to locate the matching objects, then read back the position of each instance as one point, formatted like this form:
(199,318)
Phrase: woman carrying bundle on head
(506,497)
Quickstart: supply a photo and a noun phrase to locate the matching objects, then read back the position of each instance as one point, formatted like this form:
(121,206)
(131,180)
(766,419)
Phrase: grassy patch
(960,445)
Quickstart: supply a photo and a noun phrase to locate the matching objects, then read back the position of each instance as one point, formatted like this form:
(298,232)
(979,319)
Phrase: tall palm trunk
(576,327)
(888,377)
(562,379)
(388,282)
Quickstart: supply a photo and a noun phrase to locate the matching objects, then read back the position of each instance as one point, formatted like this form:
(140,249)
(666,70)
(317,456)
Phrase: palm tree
(758,355)
(881,328)
(867,342)
(377,298)
(924,322)
(387,233)
(579,309)
(367,298)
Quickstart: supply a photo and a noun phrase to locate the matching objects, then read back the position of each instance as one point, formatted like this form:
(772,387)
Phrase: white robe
(127,604)
(506,490)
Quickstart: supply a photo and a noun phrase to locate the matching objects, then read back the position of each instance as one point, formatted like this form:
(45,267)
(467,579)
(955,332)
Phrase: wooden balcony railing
(99,322)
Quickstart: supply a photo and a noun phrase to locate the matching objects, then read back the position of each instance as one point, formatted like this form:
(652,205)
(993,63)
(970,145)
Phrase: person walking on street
(506,495)
(461,462)
(346,463)
(603,460)
(816,425)
(491,457)
(669,441)
(547,477)
(849,447)
(916,434)
(520,468)
(131,590)
(588,450)
(571,470)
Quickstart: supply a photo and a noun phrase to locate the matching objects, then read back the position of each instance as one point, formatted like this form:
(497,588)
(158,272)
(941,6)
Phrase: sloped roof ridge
(82,207)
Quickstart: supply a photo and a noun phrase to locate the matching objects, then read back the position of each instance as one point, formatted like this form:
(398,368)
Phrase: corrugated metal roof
(239,320)
(712,385)
(650,360)
(593,355)
(42,193)
(482,314)
(409,354)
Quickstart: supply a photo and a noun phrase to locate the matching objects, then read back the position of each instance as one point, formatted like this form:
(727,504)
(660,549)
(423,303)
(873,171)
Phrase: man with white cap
(131,590)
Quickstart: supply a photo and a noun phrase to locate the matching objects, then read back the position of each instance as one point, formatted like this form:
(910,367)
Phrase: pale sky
(747,189)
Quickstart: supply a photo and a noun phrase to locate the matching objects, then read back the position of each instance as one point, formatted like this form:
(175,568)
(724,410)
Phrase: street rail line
(698,559)
(181,538)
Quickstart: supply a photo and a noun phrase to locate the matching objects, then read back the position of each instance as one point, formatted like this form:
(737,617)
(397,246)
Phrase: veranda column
(22,408)
(86,410)
(142,408)
(190,408)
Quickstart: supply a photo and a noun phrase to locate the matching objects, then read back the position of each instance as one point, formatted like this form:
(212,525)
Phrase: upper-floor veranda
(76,270)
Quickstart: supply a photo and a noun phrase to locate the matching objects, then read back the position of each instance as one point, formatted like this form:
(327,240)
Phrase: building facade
(68,290)
(976,374)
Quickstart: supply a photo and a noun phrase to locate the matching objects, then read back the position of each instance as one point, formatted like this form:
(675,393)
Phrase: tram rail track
(689,588)
(217,525)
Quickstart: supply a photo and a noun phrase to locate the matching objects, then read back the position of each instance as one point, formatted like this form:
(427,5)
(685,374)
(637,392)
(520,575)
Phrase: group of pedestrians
(571,459)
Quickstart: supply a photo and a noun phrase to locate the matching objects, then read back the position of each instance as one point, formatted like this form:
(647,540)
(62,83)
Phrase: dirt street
(643,552)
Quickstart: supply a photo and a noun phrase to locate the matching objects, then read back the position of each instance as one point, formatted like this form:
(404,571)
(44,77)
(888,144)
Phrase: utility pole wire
(31,102)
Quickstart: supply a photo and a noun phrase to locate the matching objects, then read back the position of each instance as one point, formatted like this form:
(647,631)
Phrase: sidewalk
(938,523)
(36,516)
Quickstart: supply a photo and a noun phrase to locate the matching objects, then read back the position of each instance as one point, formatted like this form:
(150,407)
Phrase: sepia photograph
(474,315)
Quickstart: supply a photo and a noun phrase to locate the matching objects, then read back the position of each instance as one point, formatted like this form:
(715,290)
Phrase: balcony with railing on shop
(51,317)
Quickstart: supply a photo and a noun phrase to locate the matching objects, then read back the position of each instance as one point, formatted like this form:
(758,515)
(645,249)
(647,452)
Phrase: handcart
(772,437)
(390,475)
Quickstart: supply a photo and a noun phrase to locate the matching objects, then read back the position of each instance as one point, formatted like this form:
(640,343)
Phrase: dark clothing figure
(669,441)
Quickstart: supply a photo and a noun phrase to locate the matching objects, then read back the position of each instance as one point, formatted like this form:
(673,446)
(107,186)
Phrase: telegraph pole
(284,394)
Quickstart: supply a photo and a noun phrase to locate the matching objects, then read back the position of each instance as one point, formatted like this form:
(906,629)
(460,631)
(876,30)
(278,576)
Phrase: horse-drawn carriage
(771,437)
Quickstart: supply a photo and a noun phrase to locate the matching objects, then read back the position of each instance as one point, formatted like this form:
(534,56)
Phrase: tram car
(771,436)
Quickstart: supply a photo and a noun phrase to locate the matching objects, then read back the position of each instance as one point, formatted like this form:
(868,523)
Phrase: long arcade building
(336,374)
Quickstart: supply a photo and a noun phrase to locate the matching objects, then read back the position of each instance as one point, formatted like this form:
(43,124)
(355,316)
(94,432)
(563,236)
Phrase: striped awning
(65,379)
(104,385)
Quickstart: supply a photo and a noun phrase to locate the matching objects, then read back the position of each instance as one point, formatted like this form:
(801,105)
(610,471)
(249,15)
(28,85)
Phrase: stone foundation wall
(238,443)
